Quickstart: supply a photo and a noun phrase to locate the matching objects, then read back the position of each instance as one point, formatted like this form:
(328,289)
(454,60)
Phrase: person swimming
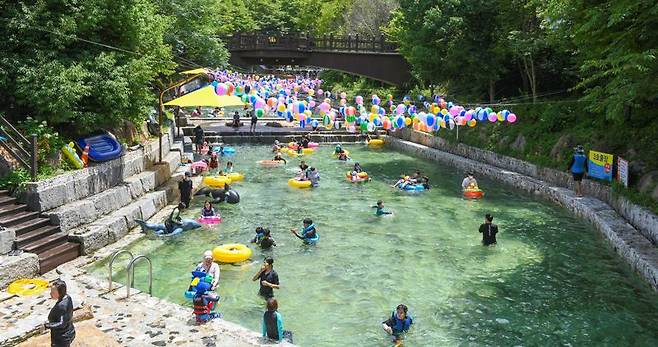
(313,175)
(267,241)
(229,167)
(207,210)
(399,323)
(343,156)
(260,233)
(338,149)
(277,157)
(309,232)
(469,182)
(380,209)
(276,147)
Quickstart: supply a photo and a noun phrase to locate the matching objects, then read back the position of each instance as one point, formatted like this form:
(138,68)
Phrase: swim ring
(27,286)
(362,175)
(216,181)
(311,145)
(376,142)
(210,220)
(413,187)
(227,150)
(299,184)
(271,163)
(473,193)
(231,253)
(347,153)
(305,151)
(235,176)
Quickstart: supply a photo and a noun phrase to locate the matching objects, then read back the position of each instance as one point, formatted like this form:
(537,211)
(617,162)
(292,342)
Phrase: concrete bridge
(372,57)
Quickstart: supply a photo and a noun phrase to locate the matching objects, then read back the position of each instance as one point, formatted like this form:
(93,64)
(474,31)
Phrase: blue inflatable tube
(101,147)
(227,150)
(414,187)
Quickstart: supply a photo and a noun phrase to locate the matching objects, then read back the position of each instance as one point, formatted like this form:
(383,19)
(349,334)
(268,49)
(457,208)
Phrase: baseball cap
(207,254)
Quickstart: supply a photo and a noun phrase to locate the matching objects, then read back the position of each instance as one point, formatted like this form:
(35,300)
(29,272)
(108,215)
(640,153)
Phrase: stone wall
(631,245)
(641,218)
(71,186)
(12,268)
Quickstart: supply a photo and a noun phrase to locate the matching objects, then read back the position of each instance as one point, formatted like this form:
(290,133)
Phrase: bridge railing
(305,42)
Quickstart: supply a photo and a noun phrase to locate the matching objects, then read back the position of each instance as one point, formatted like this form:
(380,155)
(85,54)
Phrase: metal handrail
(130,274)
(114,256)
(7,130)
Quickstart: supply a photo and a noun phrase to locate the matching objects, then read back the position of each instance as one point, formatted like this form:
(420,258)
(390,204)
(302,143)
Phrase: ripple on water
(551,278)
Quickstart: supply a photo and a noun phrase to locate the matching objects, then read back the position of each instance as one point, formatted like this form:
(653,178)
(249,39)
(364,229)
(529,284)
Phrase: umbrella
(205,96)
(194,72)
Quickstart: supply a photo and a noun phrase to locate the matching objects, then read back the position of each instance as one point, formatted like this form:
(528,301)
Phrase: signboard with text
(622,171)
(599,165)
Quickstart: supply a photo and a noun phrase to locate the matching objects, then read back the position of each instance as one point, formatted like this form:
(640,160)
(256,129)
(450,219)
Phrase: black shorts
(578,176)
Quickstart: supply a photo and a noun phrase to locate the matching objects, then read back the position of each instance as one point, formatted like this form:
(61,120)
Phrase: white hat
(207,254)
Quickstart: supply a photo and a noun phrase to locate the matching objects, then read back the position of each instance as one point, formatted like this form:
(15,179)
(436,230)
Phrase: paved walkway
(140,320)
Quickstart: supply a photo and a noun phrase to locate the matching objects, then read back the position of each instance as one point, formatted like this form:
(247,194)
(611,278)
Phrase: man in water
(578,168)
(380,209)
(269,279)
(488,231)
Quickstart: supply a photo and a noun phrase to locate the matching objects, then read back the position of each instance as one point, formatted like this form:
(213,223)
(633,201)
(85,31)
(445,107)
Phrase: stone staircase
(36,234)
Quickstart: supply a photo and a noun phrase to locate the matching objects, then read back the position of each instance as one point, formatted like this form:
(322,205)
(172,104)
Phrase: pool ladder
(130,271)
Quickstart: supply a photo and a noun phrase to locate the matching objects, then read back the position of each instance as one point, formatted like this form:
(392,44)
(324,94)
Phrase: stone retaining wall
(12,268)
(57,191)
(637,250)
(641,218)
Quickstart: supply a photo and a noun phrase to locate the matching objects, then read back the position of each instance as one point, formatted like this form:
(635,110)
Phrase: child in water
(207,210)
(229,167)
(260,233)
(273,323)
(204,302)
(380,209)
(357,167)
(343,156)
(214,163)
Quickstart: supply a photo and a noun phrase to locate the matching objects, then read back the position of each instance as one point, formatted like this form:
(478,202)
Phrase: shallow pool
(551,280)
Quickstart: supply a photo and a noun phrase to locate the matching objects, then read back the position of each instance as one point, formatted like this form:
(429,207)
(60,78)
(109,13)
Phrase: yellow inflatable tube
(362,174)
(27,286)
(376,142)
(235,176)
(216,181)
(299,184)
(231,253)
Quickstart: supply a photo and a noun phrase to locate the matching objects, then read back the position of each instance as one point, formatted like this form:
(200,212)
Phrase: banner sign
(600,165)
(622,171)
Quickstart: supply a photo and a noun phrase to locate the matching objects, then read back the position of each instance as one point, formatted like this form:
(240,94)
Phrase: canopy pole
(161,109)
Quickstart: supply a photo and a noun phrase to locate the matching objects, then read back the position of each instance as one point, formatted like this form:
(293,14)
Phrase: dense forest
(573,70)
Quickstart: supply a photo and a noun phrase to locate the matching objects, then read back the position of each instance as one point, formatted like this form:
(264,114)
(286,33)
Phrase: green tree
(83,63)
(194,32)
(617,42)
(454,43)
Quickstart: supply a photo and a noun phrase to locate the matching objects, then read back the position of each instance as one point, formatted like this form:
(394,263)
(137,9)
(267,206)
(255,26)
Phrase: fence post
(34,168)
(356,42)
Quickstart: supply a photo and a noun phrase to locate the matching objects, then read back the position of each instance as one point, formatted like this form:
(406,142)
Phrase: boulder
(564,142)
(273,124)
(519,143)
(648,181)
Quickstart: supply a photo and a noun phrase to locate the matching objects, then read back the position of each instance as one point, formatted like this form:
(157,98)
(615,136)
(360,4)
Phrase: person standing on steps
(488,231)
(254,120)
(268,279)
(60,318)
(578,168)
(199,139)
(185,188)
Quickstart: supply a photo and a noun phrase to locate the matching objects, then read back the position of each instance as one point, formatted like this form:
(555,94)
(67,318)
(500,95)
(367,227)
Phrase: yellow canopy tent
(205,96)
(194,71)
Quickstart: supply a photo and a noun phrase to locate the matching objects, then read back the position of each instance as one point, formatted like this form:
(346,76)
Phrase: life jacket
(201,306)
(401,325)
(310,239)
(208,213)
(579,161)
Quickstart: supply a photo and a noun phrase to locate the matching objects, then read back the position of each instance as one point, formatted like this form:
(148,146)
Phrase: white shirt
(467,181)
(214,272)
